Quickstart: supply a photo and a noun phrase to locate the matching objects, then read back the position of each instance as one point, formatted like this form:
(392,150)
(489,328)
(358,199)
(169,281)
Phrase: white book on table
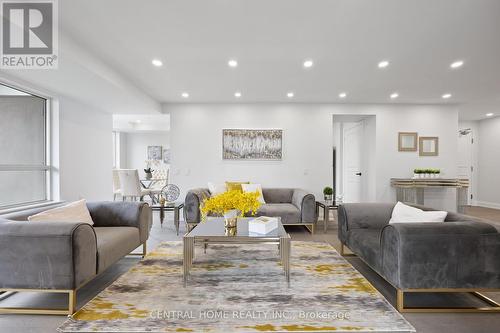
(263,225)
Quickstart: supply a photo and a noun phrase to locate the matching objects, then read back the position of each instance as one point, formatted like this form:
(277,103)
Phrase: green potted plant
(328,193)
(417,173)
(436,173)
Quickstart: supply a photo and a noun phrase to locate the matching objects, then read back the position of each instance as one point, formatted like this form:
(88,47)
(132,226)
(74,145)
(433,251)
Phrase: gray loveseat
(63,256)
(294,206)
(460,255)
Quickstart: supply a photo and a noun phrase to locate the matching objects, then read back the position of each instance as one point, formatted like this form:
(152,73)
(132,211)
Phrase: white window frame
(47,167)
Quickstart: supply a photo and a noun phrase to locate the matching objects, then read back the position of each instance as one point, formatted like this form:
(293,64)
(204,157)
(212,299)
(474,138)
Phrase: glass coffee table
(213,232)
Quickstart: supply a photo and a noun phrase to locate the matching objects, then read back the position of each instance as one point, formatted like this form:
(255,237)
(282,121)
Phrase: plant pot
(231,231)
(328,197)
(149,175)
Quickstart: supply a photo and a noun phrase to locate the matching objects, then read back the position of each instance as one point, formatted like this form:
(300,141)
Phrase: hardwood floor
(484,213)
(426,323)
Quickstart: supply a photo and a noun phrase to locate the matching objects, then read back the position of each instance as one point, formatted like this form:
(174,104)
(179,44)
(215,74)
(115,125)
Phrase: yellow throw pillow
(235,186)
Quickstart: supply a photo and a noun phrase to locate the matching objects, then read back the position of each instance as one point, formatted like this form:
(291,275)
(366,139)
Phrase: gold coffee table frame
(213,232)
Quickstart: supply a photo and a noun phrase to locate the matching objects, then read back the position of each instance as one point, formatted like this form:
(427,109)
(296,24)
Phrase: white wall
(135,147)
(196,131)
(85,156)
(489,163)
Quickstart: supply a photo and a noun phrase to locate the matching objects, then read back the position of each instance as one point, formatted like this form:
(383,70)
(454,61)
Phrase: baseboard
(486,204)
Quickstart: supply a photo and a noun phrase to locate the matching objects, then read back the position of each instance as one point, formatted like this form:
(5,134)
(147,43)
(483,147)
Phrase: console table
(412,190)
(326,206)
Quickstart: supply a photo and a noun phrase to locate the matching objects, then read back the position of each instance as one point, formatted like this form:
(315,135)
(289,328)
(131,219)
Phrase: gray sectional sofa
(461,254)
(63,256)
(294,206)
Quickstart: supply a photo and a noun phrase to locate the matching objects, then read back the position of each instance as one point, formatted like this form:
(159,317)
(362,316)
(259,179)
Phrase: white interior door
(352,161)
(465,169)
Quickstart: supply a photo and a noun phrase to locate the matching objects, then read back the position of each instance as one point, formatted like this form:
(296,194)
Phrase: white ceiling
(111,44)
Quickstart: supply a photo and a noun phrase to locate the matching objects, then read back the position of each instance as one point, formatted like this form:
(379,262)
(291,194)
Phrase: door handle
(358,173)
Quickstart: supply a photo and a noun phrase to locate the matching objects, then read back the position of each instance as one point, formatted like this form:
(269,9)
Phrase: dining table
(148,184)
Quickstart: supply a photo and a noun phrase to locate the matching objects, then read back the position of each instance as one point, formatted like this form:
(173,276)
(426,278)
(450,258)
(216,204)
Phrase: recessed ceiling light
(308,63)
(446,96)
(343,95)
(138,121)
(232,63)
(290,94)
(457,64)
(394,95)
(185,95)
(157,62)
(383,64)
(489,114)
(237,94)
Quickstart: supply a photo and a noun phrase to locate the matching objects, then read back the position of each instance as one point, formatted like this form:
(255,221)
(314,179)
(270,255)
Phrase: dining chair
(160,177)
(131,186)
(116,184)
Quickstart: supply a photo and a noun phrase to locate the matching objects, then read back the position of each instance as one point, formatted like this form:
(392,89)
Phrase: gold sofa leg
(400,297)
(143,253)
(71,302)
(494,306)
(344,253)
(42,311)
(310,227)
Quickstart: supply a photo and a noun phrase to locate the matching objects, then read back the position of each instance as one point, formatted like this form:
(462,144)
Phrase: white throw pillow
(252,188)
(406,214)
(74,212)
(215,189)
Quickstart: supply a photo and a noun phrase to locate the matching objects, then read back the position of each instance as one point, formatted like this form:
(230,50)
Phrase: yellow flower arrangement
(243,202)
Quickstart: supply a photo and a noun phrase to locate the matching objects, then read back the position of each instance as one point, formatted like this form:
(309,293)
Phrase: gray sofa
(63,256)
(460,255)
(294,206)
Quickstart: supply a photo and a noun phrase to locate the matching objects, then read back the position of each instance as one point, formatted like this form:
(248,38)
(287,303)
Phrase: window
(24,167)
(116,150)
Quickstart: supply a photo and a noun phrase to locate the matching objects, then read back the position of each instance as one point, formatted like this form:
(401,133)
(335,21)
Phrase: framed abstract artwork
(428,146)
(407,141)
(166,155)
(252,144)
(154,153)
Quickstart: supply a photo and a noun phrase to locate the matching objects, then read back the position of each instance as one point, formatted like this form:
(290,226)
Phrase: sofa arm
(441,255)
(192,204)
(362,216)
(122,214)
(46,255)
(306,202)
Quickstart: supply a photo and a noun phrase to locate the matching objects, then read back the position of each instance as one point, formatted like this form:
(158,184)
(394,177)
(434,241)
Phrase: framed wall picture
(252,144)
(166,155)
(407,141)
(428,146)
(154,153)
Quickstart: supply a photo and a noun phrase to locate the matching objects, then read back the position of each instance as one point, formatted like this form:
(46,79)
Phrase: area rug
(240,289)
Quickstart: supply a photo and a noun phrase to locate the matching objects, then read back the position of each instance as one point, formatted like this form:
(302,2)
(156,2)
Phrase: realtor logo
(29,34)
